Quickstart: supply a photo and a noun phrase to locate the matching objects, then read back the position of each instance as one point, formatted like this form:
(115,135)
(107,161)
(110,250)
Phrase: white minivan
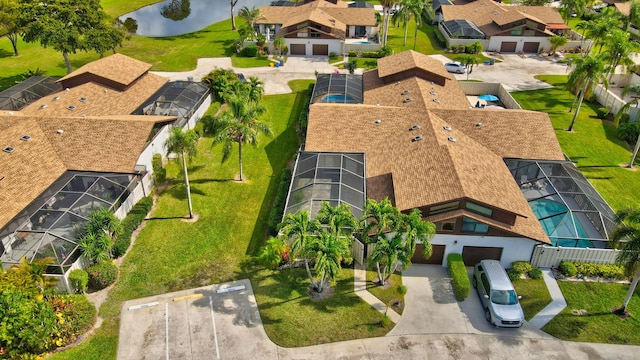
(498,297)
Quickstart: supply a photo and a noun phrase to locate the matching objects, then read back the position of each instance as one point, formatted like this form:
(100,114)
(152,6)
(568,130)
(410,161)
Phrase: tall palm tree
(233,19)
(403,17)
(255,89)
(183,143)
(238,124)
(251,15)
(573,6)
(587,73)
(389,252)
(338,220)
(330,252)
(301,230)
(557,41)
(386,10)
(583,26)
(619,51)
(378,219)
(417,8)
(626,237)
(633,88)
(415,230)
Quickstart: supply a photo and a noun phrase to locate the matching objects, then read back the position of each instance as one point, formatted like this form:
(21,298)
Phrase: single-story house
(80,146)
(407,132)
(503,28)
(318,27)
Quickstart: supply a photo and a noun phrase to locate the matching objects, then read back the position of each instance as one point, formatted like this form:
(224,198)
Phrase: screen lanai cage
(178,98)
(28,91)
(337,178)
(570,210)
(338,89)
(52,225)
(462,29)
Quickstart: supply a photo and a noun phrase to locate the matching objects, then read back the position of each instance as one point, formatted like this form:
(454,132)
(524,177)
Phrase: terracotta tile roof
(117,67)
(408,60)
(100,100)
(487,14)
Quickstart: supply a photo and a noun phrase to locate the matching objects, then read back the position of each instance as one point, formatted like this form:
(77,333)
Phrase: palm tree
(279,43)
(403,17)
(330,252)
(378,219)
(416,230)
(619,51)
(626,237)
(104,221)
(101,231)
(584,26)
(389,252)
(633,88)
(386,10)
(36,271)
(468,61)
(238,124)
(417,7)
(251,16)
(588,72)
(339,220)
(556,41)
(573,6)
(233,19)
(255,89)
(634,15)
(183,143)
(301,229)
(96,247)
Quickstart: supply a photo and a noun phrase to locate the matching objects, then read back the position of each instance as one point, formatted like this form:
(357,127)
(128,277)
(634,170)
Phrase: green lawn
(535,296)
(593,145)
(388,293)
(599,325)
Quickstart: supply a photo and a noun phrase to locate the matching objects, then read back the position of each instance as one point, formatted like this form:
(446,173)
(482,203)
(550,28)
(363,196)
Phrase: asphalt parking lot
(213,322)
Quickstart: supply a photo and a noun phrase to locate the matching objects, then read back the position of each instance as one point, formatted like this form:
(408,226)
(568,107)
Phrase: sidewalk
(557,304)
(360,287)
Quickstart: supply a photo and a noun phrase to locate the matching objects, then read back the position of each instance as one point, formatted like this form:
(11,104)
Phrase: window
(472,226)
(437,209)
(516,31)
(448,226)
(479,209)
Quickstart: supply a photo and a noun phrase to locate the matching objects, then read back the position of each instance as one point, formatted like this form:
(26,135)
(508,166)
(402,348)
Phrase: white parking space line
(166,336)
(215,334)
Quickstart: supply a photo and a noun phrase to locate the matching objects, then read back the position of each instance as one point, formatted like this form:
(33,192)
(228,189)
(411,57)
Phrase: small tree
(279,43)
(626,237)
(183,143)
(557,41)
(468,61)
(588,72)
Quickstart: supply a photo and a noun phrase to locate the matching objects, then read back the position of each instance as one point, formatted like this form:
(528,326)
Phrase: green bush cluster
(460,278)
(136,215)
(275,216)
(522,267)
(382,52)
(603,112)
(611,271)
(79,280)
(159,172)
(568,268)
(628,132)
(535,273)
(513,275)
(249,51)
(102,275)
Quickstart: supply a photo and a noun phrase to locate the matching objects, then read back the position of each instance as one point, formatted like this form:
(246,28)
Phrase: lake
(177,17)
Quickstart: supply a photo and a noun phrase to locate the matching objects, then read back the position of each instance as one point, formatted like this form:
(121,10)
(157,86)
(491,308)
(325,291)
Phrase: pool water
(557,222)
(337,98)
(362,43)
(189,15)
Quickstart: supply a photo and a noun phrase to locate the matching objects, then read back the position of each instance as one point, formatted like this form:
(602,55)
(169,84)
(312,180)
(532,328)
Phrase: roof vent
(84,115)
(436,100)
(83,99)
(378,122)
(67,89)
(60,131)
(56,98)
(447,127)
(406,100)
(43,106)
(433,92)
(398,83)
(25,138)
(106,91)
(71,107)
(10,112)
(479,125)
(417,138)
(452,139)
(414,127)
(9,149)
(406,92)
(377,104)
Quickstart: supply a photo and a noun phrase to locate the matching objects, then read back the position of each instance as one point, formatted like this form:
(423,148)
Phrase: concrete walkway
(360,288)
(557,304)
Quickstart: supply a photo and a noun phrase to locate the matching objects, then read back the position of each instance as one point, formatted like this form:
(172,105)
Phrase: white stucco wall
(514,249)
(334,45)
(496,41)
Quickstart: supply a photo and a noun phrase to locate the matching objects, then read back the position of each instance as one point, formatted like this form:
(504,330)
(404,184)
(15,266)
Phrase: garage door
(508,46)
(436,256)
(472,255)
(531,47)
(320,49)
(298,49)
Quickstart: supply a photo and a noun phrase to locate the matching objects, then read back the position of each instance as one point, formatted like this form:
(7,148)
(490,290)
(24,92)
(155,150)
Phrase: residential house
(318,27)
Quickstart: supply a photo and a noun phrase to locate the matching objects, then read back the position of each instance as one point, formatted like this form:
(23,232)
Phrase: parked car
(455,67)
(498,297)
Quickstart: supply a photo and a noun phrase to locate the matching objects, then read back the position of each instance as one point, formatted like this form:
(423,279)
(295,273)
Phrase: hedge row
(611,271)
(136,215)
(102,275)
(459,275)
(275,216)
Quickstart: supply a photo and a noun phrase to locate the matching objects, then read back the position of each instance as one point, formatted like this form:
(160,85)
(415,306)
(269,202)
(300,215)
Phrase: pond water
(177,17)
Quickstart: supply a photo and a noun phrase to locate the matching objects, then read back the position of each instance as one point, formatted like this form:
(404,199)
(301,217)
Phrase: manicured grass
(171,254)
(593,145)
(245,62)
(599,325)
(426,41)
(292,319)
(388,293)
(535,296)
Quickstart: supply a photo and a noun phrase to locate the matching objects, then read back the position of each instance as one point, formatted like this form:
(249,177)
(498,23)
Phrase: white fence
(549,256)
(358,251)
(480,88)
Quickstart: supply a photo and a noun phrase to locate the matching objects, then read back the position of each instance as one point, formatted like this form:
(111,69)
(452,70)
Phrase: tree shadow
(5,53)
(9,81)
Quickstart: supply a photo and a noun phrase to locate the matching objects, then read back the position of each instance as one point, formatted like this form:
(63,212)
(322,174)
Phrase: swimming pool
(337,98)
(558,222)
(544,208)
(362,43)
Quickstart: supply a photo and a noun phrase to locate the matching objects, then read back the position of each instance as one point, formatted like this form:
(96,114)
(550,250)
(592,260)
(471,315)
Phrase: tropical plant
(250,15)
(468,61)
(273,253)
(255,89)
(417,8)
(619,50)
(386,10)
(626,237)
(96,247)
(300,229)
(634,15)
(635,89)
(557,41)
(601,26)
(239,124)
(233,19)
(9,22)
(183,143)
(587,73)
(278,44)
(104,221)
(220,81)
(330,252)
(388,252)
(36,271)
(569,7)
(416,230)
(378,218)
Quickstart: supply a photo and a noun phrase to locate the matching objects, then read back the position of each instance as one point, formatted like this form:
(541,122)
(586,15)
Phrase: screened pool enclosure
(570,210)
(53,224)
(338,89)
(28,91)
(338,178)
(178,98)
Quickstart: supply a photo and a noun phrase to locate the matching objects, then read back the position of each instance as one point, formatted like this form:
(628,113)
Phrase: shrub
(459,276)
(402,289)
(521,267)
(624,118)
(513,275)
(385,51)
(275,216)
(102,275)
(385,321)
(159,172)
(250,50)
(83,315)
(568,268)
(535,273)
(603,112)
(353,54)
(612,271)
(628,132)
(79,280)
(136,216)
(333,54)
(220,81)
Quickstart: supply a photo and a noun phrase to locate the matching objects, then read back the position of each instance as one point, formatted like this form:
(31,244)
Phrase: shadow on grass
(5,53)
(9,81)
